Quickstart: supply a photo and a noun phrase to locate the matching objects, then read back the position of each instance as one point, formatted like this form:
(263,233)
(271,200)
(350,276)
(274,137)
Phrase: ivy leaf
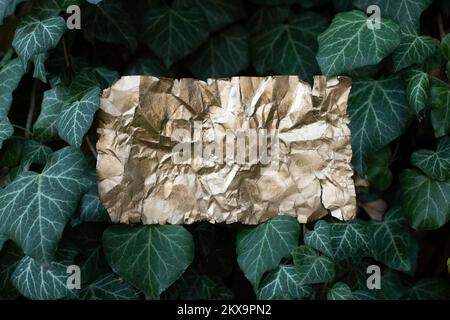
(34,152)
(45,128)
(348,43)
(10,76)
(39,282)
(34,36)
(378,172)
(340,291)
(218,13)
(378,114)
(109,287)
(413,49)
(404,12)
(91,208)
(260,249)
(283,283)
(426,202)
(444,48)
(429,289)
(7,8)
(76,119)
(35,207)
(392,243)
(339,240)
(6,130)
(194,286)
(149,66)
(224,55)
(150,258)
(440,108)
(39,67)
(48,8)
(311,267)
(435,165)
(265,19)
(10,256)
(289,48)
(109,21)
(174,32)
(417,89)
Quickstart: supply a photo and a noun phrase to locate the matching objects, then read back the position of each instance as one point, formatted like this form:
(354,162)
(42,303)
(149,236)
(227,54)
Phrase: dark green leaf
(289,48)
(35,207)
(224,55)
(109,287)
(284,283)
(172,33)
(426,202)
(10,256)
(109,21)
(150,258)
(261,248)
(348,43)
(417,90)
(378,114)
(311,267)
(435,164)
(440,108)
(340,291)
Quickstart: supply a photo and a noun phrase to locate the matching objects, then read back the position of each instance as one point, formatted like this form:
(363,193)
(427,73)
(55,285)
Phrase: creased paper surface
(144,120)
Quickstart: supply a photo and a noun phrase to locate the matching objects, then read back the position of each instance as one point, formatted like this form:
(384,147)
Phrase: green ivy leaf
(260,249)
(149,67)
(45,128)
(39,282)
(426,202)
(174,32)
(34,152)
(6,130)
(35,207)
(91,208)
(404,12)
(378,172)
(10,256)
(436,165)
(265,19)
(194,286)
(284,283)
(413,49)
(109,287)
(340,291)
(34,36)
(76,119)
(39,67)
(109,21)
(339,240)
(224,55)
(440,108)
(392,242)
(218,13)
(150,258)
(429,289)
(311,267)
(289,48)
(417,89)
(348,43)
(444,48)
(7,8)
(378,114)
(49,8)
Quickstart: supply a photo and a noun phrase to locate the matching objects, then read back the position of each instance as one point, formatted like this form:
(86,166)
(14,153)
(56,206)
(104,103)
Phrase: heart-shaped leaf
(435,164)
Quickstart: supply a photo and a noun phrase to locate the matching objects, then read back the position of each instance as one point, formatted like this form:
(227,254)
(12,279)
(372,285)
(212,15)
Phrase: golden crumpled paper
(142,119)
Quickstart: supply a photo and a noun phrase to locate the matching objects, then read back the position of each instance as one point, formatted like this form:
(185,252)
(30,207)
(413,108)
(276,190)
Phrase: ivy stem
(91,147)
(34,90)
(22,128)
(66,53)
(440,25)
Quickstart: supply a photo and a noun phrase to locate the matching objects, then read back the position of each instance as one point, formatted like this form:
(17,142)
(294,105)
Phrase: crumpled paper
(142,119)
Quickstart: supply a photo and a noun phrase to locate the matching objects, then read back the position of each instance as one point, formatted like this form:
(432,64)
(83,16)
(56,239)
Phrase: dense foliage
(51,217)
